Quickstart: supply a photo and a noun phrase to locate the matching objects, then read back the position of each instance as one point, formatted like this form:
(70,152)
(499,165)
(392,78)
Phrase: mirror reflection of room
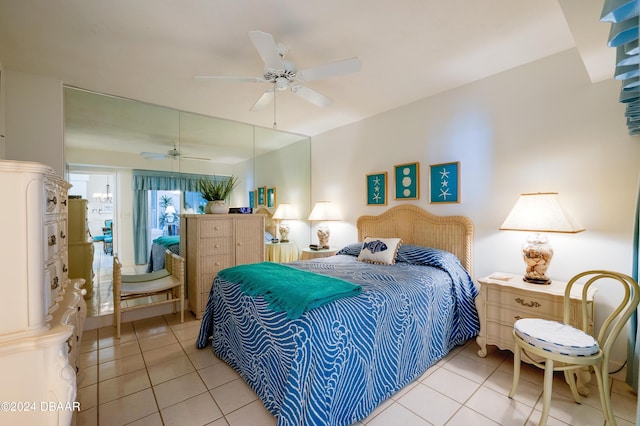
(121,142)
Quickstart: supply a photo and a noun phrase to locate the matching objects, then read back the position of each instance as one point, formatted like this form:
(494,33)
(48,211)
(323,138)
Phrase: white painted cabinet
(42,311)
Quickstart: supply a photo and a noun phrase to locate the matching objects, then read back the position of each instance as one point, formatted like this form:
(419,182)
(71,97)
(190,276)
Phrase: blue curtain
(623,36)
(151,180)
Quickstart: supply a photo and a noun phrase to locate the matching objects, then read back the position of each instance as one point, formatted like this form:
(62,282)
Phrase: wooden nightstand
(503,301)
(308,254)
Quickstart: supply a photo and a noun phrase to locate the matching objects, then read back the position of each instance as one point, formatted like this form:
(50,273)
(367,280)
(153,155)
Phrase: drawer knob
(55,283)
(52,240)
(532,304)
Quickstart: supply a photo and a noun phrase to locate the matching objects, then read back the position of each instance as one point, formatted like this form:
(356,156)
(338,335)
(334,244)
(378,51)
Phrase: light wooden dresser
(502,302)
(42,312)
(80,244)
(212,242)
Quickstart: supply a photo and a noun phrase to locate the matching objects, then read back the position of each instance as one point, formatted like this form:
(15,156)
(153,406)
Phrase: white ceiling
(150,50)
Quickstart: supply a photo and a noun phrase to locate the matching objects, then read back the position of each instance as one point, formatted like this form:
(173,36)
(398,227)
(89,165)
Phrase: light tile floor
(154,375)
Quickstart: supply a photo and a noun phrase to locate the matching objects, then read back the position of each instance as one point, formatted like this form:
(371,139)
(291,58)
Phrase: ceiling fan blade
(267,49)
(188,157)
(265,99)
(153,155)
(333,69)
(225,77)
(312,96)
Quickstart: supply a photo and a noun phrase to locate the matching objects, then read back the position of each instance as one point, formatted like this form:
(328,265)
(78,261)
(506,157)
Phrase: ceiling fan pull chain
(275,126)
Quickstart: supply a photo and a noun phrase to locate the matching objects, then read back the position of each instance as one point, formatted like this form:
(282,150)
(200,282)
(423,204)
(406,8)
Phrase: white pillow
(379,250)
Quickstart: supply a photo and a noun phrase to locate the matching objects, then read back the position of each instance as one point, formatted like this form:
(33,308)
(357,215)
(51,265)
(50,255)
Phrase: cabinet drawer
(216,228)
(206,282)
(213,264)
(528,304)
(216,246)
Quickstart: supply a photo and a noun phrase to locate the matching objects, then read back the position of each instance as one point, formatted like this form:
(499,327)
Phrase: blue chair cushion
(99,238)
(108,239)
(556,337)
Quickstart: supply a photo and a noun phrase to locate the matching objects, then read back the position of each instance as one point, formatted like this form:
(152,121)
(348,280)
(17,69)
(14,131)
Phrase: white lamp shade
(540,212)
(323,211)
(285,212)
(170,210)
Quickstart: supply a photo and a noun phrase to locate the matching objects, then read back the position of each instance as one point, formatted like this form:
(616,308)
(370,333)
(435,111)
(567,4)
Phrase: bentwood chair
(168,282)
(568,349)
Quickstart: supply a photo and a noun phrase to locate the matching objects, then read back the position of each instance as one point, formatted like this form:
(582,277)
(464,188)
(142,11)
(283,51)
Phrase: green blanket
(288,289)
(167,240)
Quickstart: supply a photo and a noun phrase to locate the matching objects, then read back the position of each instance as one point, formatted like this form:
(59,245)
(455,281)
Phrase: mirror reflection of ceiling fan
(174,154)
(284,74)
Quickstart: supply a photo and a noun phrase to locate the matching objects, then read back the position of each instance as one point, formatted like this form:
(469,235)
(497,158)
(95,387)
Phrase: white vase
(216,207)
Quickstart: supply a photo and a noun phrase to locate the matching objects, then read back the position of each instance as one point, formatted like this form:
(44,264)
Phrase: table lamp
(539,212)
(284,212)
(324,211)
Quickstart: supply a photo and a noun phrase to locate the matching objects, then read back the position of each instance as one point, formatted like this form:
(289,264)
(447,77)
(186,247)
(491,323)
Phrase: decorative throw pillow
(379,250)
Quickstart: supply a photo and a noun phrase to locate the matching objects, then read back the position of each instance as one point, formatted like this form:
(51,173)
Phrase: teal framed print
(271,197)
(444,182)
(377,189)
(407,181)
(262,193)
(252,199)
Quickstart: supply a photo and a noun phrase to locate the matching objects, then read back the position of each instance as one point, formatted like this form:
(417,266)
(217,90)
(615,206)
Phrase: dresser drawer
(502,303)
(213,264)
(216,246)
(216,228)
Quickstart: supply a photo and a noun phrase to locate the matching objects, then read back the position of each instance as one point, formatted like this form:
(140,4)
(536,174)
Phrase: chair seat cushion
(151,276)
(556,337)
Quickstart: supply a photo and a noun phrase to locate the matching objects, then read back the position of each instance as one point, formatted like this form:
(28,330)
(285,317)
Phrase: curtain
(151,180)
(623,36)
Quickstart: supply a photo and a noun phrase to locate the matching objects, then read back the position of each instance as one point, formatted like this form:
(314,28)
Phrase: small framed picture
(271,197)
(444,180)
(377,189)
(262,193)
(407,181)
(252,199)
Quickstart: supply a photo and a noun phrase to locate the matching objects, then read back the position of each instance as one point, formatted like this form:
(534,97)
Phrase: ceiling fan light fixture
(282,83)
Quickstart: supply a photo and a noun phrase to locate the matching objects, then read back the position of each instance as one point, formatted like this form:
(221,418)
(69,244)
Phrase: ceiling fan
(284,74)
(174,154)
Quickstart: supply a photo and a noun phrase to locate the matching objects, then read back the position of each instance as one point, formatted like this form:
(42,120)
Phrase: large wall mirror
(109,139)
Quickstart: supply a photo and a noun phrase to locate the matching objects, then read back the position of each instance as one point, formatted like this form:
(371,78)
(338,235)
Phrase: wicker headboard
(270,224)
(417,226)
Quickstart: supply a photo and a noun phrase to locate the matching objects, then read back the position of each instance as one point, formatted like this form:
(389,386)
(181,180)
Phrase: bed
(334,364)
(158,248)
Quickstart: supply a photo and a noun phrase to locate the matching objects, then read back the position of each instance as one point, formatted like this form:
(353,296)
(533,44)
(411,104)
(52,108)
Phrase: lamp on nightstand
(284,212)
(324,211)
(539,212)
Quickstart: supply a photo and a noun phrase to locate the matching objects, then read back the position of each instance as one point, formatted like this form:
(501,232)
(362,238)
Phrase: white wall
(539,127)
(34,119)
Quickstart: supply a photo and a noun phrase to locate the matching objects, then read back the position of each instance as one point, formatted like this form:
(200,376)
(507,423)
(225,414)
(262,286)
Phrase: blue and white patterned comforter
(335,364)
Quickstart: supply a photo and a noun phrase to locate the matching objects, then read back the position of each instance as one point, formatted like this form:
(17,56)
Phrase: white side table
(281,252)
(308,254)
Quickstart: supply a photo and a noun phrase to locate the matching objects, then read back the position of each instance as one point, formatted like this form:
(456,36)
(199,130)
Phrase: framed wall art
(444,182)
(271,197)
(252,199)
(407,181)
(262,193)
(377,189)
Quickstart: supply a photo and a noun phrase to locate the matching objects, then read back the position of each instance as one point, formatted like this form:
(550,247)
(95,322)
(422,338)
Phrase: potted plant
(216,191)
